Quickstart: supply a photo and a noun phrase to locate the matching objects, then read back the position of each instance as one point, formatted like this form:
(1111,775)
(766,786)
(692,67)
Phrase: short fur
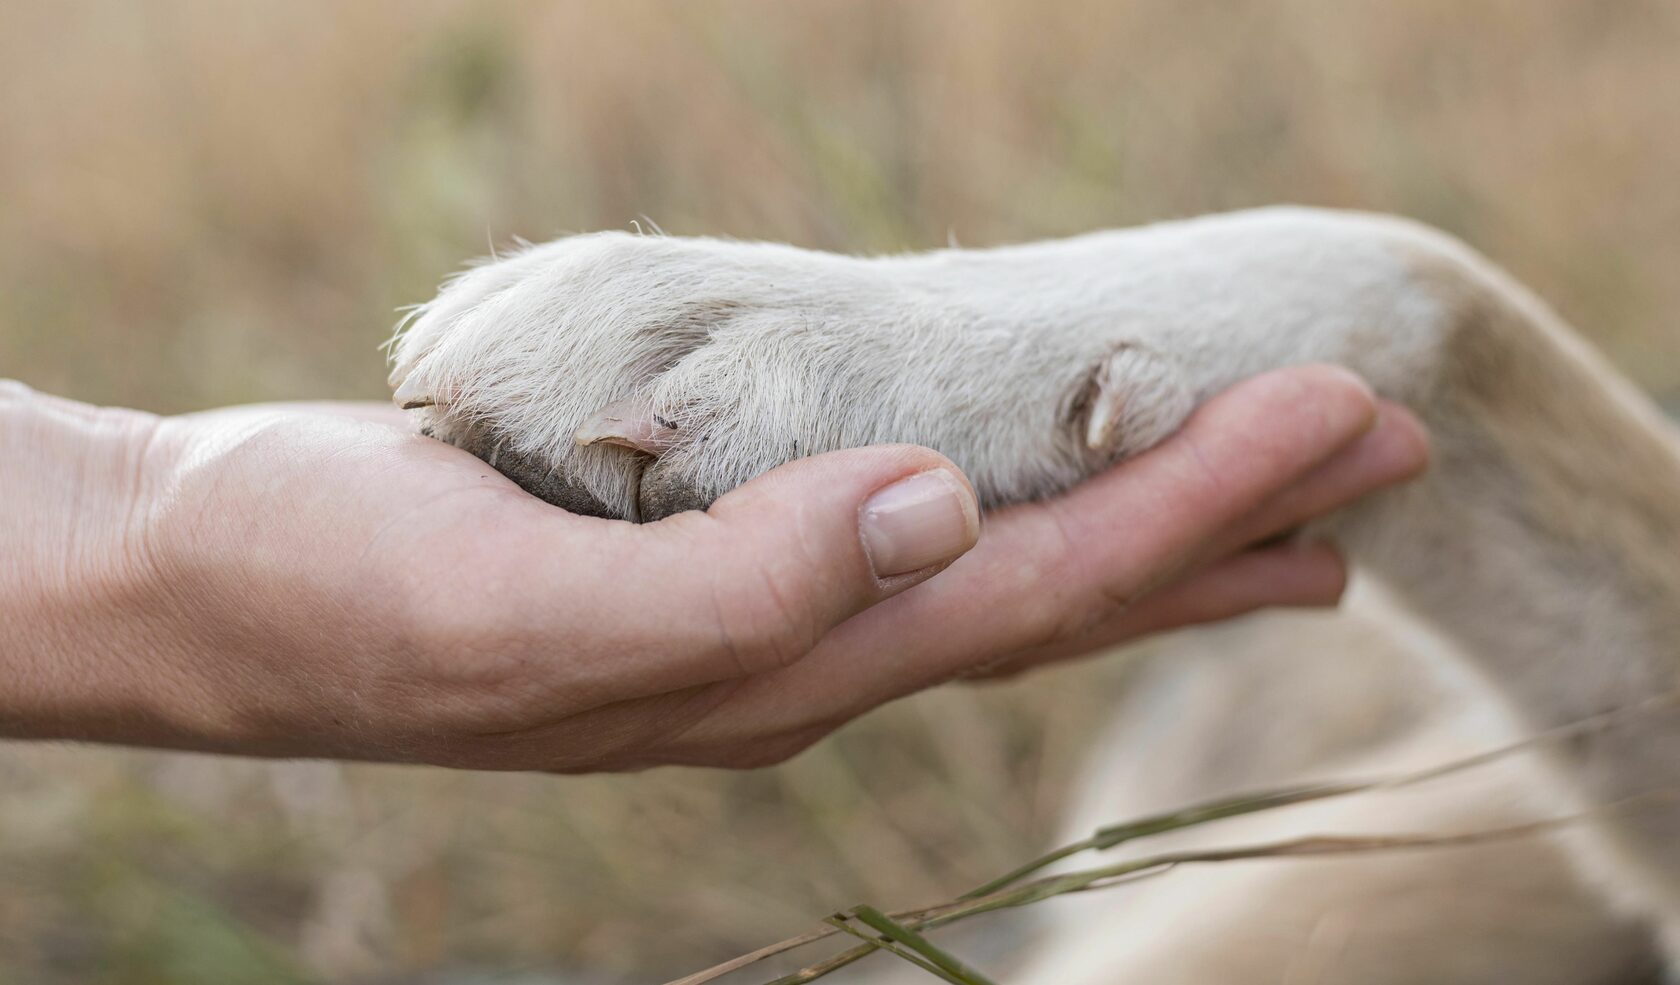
(1543,549)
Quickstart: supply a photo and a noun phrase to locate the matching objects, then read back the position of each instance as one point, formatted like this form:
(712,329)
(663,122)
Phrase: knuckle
(764,752)
(1065,617)
(1099,608)
(1061,595)
(763,620)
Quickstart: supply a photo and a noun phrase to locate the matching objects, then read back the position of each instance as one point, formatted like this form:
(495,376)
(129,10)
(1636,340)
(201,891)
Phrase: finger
(1049,570)
(1048,573)
(1395,451)
(754,582)
(1134,527)
(1291,575)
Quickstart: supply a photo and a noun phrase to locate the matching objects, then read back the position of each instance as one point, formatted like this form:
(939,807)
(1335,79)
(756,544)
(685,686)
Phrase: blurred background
(206,203)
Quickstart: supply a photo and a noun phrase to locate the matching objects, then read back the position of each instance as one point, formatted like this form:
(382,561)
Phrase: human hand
(315,580)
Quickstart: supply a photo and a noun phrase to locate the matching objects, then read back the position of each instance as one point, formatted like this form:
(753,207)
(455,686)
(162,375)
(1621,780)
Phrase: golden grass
(204,203)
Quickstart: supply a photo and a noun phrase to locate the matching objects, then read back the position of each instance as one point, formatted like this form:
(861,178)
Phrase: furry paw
(638,376)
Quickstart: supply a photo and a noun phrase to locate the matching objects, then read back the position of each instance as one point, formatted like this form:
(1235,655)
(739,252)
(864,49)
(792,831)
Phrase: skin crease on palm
(317,580)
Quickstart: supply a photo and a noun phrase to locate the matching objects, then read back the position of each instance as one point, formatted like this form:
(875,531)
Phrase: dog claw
(411,393)
(1105,417)
(1137,399)
(628,423)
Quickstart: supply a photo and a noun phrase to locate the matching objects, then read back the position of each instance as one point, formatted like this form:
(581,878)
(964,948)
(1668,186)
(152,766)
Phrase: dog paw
(637,376)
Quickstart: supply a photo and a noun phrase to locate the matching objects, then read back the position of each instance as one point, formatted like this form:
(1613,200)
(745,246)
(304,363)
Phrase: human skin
(317,580)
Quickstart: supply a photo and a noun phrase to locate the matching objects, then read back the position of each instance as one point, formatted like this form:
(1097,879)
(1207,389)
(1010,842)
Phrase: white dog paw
(636,376)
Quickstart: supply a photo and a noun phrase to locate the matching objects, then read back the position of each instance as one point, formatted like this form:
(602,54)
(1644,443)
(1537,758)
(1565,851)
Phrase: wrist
(81,646)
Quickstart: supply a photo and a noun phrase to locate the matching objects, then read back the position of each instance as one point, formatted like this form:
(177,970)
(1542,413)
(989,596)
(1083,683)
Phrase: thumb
(806,546)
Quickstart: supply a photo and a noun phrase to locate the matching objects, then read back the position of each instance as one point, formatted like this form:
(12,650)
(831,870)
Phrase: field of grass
(204,203)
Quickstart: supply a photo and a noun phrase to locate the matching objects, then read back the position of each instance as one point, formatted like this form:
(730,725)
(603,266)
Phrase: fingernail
(927,519)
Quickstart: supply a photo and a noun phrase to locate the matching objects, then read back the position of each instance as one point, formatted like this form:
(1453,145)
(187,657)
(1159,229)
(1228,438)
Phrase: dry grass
(204,203)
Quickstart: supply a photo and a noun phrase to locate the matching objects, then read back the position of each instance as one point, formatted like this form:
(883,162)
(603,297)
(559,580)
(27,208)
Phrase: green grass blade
(956,970)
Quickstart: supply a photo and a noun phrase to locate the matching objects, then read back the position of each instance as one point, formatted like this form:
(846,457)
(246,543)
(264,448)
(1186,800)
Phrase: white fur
(763,352)
(1544,546)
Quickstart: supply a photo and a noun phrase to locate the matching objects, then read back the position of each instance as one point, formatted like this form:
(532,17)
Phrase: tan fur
(1597,462)
(1287,698)
(1536,431)
(1536,567)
